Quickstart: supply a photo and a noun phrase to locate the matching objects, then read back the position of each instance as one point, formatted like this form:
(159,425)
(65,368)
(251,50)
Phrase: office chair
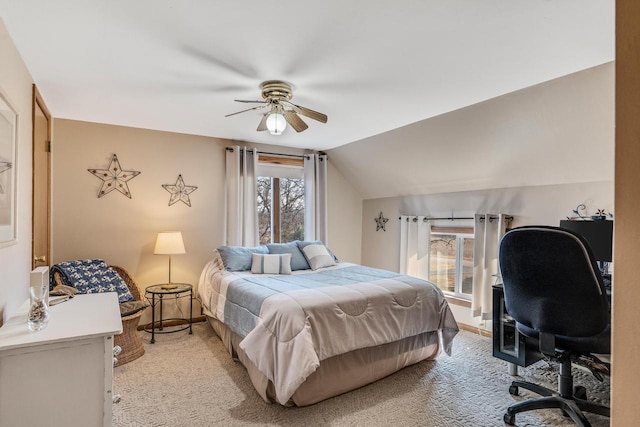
(554,291)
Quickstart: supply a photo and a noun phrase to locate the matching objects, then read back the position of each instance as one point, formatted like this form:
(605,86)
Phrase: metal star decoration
(114,178)
(381,222)
(4,166)
(179,191)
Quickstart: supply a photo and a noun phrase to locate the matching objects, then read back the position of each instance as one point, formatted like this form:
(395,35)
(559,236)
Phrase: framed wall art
(8,135)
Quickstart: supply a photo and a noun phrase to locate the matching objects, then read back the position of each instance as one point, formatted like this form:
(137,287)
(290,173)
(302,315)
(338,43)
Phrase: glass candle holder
(38,311)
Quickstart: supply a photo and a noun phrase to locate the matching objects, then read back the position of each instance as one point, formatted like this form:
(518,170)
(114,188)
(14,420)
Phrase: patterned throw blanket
(91,276)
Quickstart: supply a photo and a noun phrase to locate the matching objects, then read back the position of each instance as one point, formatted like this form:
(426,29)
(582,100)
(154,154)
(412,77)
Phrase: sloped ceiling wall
(558,132)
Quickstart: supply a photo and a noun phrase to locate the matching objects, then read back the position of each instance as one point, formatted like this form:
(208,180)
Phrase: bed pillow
(238,258)
(317,255)
(271,264)
(303,243)
(298,261)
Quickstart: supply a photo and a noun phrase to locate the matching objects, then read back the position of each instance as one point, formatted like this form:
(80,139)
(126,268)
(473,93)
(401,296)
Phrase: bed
(313,334)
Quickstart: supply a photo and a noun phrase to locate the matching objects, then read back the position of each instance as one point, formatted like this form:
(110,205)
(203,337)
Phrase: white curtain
(315,197)
(415,239)
(488,230)
(241,196)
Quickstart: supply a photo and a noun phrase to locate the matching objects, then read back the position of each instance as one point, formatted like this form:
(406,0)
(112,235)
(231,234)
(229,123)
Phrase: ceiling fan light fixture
(282,112)
(276,123)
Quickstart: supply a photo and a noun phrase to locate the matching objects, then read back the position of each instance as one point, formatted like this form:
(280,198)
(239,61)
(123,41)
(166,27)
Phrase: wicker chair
(129,340)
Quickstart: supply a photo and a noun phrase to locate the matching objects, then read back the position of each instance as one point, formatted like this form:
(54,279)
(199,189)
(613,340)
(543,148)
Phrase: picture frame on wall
(8,171)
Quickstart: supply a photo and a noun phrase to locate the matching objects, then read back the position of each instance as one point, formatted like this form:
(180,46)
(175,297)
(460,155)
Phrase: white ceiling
(370,66)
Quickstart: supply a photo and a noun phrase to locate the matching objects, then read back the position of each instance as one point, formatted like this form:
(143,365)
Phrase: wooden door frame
(38,101)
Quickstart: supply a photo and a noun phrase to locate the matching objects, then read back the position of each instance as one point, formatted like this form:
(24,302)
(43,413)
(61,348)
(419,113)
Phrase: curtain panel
(315,197)
(415,239)
(240,196)
(488,230)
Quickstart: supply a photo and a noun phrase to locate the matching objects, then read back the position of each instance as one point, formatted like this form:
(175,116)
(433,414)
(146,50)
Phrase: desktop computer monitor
(599,234)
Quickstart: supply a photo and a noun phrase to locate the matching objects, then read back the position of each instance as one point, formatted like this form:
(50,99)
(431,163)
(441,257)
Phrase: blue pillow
(238,258)
(298,261)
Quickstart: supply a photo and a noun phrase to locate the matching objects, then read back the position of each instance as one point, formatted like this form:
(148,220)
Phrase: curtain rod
(297,156)
(452,218)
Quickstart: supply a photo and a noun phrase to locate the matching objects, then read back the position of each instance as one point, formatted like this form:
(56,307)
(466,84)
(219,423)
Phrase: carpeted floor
(190,380)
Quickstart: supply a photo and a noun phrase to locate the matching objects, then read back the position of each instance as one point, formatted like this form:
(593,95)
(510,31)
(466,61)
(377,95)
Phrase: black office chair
(554,291)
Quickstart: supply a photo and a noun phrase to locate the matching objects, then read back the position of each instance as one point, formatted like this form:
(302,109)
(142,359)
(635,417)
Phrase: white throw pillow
(271,264)
(318,256)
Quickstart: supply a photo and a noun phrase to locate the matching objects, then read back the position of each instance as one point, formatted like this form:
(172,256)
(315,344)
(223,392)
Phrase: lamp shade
(169,243)
(276,123)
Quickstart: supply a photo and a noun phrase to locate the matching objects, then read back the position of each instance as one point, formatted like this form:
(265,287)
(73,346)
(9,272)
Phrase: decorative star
(179,191)
(114,178)
(5,166)
(381,222)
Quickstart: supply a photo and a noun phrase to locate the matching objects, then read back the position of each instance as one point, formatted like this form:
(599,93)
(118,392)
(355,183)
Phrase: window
(451,261)
(280,209)
(280,200)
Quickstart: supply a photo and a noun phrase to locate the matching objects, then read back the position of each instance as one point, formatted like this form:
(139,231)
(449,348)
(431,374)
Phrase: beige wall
(123,231)
(345,217)
(15,259)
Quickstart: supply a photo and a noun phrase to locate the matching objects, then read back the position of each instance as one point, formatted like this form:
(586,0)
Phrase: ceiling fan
(277,97)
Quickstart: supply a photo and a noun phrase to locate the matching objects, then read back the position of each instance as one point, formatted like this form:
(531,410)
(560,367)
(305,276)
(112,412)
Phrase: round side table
(155,295)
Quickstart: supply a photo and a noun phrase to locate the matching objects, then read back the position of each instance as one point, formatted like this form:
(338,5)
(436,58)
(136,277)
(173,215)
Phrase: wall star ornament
(179,191)
(114,178)
(381,222)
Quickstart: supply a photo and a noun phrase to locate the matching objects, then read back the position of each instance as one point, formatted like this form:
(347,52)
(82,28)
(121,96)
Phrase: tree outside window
(280,209)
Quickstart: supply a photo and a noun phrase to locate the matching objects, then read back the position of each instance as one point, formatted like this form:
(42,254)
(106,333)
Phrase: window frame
(461,233)
(271,163)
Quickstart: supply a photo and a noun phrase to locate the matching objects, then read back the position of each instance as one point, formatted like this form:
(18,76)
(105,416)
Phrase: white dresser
(62,375)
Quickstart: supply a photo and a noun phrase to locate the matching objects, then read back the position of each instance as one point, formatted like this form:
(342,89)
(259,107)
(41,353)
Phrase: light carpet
(191,380)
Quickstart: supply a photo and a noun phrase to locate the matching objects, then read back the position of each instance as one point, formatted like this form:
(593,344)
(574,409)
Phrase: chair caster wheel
(513,390)
(579,392)
(509,419)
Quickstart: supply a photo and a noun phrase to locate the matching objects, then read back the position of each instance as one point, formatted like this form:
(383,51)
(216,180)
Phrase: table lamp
(169,243)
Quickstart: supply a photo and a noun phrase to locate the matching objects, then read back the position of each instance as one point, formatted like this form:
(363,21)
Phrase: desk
(508,343)
(160,291)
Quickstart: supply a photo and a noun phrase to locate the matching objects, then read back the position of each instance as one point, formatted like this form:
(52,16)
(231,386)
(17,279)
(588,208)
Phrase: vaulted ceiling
(370,66)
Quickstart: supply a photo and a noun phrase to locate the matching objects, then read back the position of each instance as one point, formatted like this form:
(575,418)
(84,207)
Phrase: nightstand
(156,294)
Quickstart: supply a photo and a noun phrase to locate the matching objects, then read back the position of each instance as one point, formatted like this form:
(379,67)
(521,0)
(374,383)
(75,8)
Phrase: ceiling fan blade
(251,102)
(263,123)
(295,121)
(307,112)
(248,109)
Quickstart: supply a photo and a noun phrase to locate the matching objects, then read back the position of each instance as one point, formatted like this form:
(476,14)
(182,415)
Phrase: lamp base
(169,286)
